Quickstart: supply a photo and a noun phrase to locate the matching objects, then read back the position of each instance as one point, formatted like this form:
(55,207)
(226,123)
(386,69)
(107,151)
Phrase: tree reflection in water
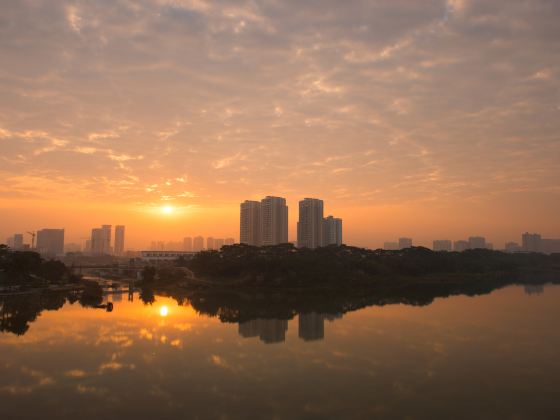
(259,313)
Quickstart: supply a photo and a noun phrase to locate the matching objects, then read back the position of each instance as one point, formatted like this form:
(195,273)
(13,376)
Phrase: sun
(167,209)
(163,311)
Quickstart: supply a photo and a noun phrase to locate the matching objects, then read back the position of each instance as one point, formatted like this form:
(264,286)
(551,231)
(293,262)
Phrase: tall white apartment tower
(332,231)
(250,225)
(274,219)
(119,240)
(310,224)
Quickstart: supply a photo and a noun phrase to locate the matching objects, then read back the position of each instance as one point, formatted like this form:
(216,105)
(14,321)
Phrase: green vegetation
(342,266)
(27,268)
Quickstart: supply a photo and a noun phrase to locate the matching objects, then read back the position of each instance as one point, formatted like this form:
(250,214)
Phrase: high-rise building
(101,240)
(250,225)
(198,243)
(332,231)
(405,243)
(274,219)
(477,242)
(15,242)
(106,239)
(210,243)
(119,240)
(531,242)
(310,224)
(229,241)
(442,245)
(18,241)
(187,244)
(460,246)
(50,242)
(97,241)
(218,244)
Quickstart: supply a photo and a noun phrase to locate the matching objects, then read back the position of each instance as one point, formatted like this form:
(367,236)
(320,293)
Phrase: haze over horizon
(434,119)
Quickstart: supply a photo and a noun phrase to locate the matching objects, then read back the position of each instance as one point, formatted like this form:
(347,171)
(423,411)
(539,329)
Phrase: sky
(431,119)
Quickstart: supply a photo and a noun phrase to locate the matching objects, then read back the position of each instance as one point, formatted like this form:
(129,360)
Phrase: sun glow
(167,209)
(164,311)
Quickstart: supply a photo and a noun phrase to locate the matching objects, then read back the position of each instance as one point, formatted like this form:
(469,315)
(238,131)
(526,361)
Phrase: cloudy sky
(431,119)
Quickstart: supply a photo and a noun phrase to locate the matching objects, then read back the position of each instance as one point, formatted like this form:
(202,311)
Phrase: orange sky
(434,119)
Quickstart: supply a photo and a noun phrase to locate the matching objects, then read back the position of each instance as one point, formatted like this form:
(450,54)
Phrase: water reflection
(258,314)
(534,289)
(490,356)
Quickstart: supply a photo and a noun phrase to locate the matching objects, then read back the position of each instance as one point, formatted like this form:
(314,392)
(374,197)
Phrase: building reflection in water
(312,325)
(534,289)
(268,330)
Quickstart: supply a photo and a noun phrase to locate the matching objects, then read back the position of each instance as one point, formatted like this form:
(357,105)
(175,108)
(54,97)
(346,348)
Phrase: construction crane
(33,234)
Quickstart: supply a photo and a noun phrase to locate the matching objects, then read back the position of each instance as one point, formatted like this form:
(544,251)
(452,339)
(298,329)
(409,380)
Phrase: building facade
(119,240)
(50,242)
(198,243)
(332,231)
(274,220)
(250,224)
(405,243)
(442,245)
(310,223)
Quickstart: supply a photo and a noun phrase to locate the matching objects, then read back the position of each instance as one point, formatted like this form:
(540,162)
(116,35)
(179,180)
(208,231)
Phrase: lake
(491,356)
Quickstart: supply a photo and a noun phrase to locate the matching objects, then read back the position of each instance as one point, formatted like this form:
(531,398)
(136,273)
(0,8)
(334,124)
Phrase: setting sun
(167,209)
(164,311)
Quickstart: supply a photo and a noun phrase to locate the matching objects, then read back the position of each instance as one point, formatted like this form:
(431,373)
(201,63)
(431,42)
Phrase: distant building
(218,244)
(210,243)
(198,244)
(18,241)
(119,240)
(250,225)
(15,242)
(550,246)
(274,220)
(332,231)
(391,246)
(512,247)
(442,245)
(531,242)
(72,248)
(477,242)
(310,224)
(405,243)
(187,244)
(460,246)
(489,245)
(229,241)
(50,242)
(101,240)
(155,257)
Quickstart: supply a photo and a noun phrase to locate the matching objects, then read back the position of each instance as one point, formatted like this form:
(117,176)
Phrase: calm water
(490,356)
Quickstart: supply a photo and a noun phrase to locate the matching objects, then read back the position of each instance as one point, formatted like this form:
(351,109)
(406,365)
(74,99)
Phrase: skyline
(429,120)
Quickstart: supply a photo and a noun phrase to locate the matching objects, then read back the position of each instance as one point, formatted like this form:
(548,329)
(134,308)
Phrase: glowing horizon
(432,120)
